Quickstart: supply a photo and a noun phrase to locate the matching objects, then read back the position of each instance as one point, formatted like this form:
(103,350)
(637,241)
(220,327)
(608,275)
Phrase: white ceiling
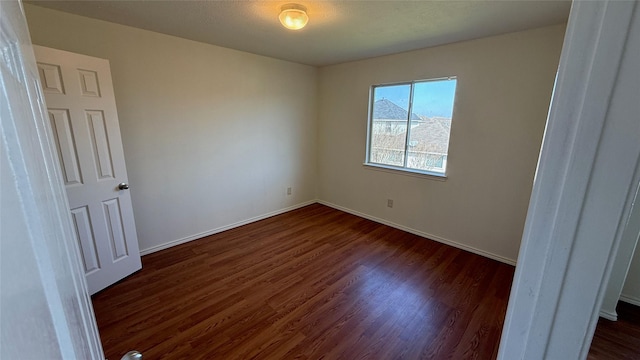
(338,31)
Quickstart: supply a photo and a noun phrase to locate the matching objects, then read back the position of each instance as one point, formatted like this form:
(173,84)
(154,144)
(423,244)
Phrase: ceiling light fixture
(293,16)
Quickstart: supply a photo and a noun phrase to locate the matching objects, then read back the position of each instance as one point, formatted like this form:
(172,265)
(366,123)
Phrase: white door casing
(583,188)
(82,112)
(45,309)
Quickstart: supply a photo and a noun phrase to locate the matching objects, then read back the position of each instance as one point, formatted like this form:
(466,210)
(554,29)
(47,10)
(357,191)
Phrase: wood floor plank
(618,340)
(314,283)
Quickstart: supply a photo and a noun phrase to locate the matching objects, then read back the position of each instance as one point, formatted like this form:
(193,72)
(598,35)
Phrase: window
(410,124)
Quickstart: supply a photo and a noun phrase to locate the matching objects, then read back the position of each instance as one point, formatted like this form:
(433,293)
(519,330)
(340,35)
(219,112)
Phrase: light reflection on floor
(396,299)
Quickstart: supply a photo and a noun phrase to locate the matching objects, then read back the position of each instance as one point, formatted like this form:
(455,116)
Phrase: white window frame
(403,169)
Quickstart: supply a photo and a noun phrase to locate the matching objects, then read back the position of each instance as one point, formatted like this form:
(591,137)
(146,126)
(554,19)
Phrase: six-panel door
(81,107)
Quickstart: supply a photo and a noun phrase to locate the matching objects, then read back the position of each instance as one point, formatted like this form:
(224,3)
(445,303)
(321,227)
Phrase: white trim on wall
(612,316)
(439,239)
(45,306)
(630,299)
(223,228)
(582,189)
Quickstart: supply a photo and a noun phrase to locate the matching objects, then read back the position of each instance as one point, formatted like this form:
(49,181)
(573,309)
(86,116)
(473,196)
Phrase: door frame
(65,324)
(582,191)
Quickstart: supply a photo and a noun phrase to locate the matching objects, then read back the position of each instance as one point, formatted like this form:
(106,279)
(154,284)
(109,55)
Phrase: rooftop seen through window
(410,125)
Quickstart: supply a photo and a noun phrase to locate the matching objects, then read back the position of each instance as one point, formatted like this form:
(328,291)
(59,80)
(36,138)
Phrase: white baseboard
(630,299)
(613,316)
(423,234)
(223,228)
(338,207)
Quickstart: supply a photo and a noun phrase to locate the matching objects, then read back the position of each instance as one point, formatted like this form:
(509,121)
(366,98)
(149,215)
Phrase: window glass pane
(430,129)
(389,124)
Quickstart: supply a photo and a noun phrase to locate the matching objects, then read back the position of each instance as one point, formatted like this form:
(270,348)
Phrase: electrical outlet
(289,191)
(389,203)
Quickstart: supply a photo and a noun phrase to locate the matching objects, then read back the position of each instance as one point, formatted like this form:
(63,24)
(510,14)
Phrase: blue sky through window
(430,98)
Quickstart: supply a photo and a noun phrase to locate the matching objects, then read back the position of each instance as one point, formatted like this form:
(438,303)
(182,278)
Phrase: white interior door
(82,110)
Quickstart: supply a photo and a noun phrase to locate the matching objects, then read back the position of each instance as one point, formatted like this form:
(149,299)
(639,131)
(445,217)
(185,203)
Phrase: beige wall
(503,92)
(212,136)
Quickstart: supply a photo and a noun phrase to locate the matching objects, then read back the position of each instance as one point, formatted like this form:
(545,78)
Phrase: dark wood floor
(618,340)
(309,284)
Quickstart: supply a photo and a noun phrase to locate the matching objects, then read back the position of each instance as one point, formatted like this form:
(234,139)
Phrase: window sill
(406,172)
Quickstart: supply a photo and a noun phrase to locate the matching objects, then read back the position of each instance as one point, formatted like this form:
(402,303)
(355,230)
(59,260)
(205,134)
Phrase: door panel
(51,78)
(100,142)
(82,111)
(66,145)
(84,232)
(115,230)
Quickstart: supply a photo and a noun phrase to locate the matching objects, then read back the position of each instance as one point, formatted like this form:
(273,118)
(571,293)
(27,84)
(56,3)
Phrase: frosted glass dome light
(293,16)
